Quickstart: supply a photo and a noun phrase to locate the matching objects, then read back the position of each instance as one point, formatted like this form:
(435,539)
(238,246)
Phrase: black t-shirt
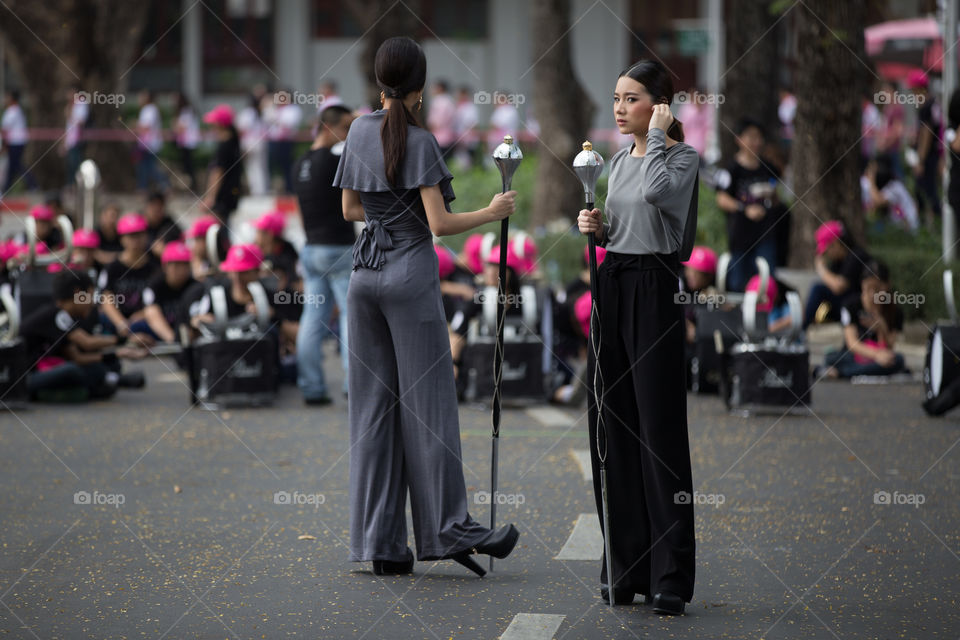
(110,245)
(851,267)
(853,314)
(742,232)
(320,202)
(169,300)
(166,231)
(227,157)
(129,283)
(566,318)
(45,330)
(929,117)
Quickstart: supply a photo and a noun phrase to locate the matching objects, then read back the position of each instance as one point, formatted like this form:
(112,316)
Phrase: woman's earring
(420,103)
(381,99)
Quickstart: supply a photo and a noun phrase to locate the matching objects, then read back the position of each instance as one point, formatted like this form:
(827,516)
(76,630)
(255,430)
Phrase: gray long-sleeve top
(648,198)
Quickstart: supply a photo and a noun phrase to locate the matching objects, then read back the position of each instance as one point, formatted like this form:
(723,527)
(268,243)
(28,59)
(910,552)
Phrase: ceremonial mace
(507,157)
(588,165)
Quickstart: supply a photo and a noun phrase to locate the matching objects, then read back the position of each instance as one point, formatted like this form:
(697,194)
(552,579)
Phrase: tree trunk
(564,116)
(87,43)
(830,84)
(750,82)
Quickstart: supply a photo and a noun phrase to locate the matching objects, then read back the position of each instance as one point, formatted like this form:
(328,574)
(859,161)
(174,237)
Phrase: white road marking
(585,541)
(582,456)
(550,417)
(533,626)
(168,377)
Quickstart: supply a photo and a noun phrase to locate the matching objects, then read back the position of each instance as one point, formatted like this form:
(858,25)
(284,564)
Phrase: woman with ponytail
(404,425)
(651,209)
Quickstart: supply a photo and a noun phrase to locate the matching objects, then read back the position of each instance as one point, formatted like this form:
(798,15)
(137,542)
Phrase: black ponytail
(401,68)
(656,79)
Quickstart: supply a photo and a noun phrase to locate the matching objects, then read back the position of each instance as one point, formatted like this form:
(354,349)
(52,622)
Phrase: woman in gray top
(651,209)
(404,426)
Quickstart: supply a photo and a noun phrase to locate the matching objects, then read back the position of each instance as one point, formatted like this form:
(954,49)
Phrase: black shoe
(621,596)
(322,401)
(499,545)
(668,603)
(393,568)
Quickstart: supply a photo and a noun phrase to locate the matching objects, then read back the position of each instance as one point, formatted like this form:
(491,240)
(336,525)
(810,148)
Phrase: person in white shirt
(253,146)
(78,111)
(13,124)
(149,142)
(442,117)
(505,119)
(283,121)
(187,129)
(466,123)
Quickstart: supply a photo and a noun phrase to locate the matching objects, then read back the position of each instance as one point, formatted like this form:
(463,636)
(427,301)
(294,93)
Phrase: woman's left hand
(662,118)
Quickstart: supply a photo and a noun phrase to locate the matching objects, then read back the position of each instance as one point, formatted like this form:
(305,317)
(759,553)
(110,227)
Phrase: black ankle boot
(499,545)
(393,567)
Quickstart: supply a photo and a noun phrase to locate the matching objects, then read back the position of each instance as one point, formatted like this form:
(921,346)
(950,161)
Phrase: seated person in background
(69,363)
(871,322)
(285,290)
(699,275)
(571,348)
(84,258)
(122,281)
(242,266)
(458,291)
(161,228)
(839,264)
(48,233)
(491,273)
(197,241)
(885,197)
(471,256)
(163,296)
(269,229)
(774,304)
(110,246)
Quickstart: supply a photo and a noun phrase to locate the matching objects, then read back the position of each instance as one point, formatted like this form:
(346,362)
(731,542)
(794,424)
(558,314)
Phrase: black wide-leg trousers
(649,481)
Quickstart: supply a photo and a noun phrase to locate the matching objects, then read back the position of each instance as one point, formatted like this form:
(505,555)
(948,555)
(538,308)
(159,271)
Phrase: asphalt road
(184,536)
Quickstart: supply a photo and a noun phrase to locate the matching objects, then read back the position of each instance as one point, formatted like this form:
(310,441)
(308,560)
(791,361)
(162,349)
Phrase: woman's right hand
(503,205)
(589,221)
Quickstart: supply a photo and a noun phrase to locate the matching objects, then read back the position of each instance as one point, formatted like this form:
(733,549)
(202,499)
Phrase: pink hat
(601,254)
(767,303)
(917,78)
(222,115)
(703,259)
(581,308)
(200,226)
(472,248)
(175,251)
(242,257)
(827,233)
(42,212)
(131,223)
(525,250)
(513,261)
(272,222)
(86,239)
(445,261)
(7,251)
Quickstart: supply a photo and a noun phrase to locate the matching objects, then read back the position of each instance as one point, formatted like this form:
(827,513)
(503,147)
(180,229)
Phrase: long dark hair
(400,67)
(656,79)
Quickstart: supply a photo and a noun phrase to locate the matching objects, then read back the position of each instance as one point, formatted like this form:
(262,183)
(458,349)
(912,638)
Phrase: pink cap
(445,260)
(86,239)
(222,115)
(513,261)
(472,248)
(581,309)
(131,223)
(601,254)
(242,257)
(272,222)
(175,251)
(765,304)
(525,250)
(200,226)
(827,233)
(42,212)
(7,251)
(917,78)
(703,259)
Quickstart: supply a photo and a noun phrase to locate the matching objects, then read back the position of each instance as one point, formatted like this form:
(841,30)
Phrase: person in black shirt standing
(327,258)
(223,182)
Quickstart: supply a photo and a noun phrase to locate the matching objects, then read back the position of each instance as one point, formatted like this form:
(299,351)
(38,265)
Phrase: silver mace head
(588,165)
(507,155)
